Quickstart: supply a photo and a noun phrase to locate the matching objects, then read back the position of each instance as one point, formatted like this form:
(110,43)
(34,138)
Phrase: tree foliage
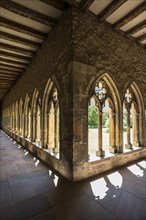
(92,117)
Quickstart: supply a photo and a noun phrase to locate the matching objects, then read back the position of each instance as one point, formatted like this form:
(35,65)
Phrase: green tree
(104,119)
(92,116)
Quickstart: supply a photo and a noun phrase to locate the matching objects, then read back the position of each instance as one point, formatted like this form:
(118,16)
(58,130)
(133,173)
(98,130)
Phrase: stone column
(26,124)
(51,129)
(100,152)
(128,145)
(22,125)
(47,129)
(112,148)
(56,131)
(29,125)
(135,128)
(38,128)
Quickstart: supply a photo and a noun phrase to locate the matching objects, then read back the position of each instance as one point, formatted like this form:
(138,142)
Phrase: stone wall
(51,62)
(98,49)
(98,44)
(77,52)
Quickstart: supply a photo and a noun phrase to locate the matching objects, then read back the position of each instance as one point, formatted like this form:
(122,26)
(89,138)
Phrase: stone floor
(30,190)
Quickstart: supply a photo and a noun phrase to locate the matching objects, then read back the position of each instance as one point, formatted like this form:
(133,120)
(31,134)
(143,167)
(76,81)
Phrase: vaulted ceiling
(25,24)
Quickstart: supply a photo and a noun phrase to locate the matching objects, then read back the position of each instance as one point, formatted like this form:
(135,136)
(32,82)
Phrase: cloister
(72,109)
(37,122)
(79,103)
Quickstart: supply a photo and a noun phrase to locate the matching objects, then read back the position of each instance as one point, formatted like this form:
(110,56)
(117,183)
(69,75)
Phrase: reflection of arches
(50,111)
(134,106)
(104,89)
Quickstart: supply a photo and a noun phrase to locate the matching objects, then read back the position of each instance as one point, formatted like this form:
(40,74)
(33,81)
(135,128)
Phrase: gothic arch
(139,108)
(27,118)
(36,118)
(116,104)
(50,114)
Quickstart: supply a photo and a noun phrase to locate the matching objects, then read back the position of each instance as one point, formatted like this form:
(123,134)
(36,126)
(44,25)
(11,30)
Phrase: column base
(49,147)
(56,150)
(38,142)
(113,149)
(120,149)
(128,146)
(100,153)
(136,144)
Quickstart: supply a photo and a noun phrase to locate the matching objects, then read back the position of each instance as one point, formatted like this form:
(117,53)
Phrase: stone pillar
(128,145)
(26,124)
(47,130)
(22,125)
(51,129)
(56,132)
(38,127)
(29,125)
(112,148)
(135,128)
(100,152)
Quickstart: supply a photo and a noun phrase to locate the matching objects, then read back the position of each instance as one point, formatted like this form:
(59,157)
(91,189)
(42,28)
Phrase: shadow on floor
(30,190)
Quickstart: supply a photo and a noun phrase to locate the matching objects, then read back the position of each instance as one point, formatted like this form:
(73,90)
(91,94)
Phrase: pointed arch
(50,115)
(36,118)
(138,102)
(115,108)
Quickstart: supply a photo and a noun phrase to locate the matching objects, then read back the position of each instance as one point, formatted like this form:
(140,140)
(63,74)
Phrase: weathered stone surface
(77,53)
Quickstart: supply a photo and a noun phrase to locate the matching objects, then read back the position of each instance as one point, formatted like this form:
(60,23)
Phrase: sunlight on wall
(142,164)
(116,179)
(136,170)
(99,188)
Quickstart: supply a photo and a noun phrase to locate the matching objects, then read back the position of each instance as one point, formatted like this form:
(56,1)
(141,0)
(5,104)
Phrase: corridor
(30,190)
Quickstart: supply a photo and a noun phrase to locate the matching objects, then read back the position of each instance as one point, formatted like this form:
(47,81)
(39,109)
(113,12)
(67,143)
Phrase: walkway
(30,190)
